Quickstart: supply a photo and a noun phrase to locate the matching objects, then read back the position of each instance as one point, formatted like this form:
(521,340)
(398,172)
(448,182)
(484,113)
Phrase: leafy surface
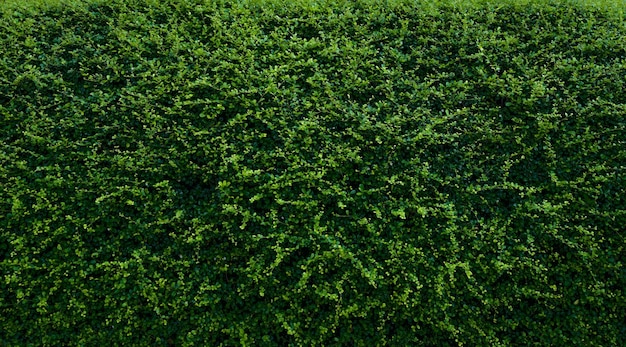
(193,173)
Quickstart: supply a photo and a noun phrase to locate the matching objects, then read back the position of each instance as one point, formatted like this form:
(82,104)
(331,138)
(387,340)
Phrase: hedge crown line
(184,173)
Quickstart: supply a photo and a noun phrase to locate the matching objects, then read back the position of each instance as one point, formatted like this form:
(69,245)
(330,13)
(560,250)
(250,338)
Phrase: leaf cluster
(208,173)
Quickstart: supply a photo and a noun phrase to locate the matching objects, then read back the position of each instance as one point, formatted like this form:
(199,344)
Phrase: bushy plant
(331,173)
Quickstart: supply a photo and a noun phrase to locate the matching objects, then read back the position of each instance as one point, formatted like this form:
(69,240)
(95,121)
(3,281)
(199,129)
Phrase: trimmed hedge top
(195,173)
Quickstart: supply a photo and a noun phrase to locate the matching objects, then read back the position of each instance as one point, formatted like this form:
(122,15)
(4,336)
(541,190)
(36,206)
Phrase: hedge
(215,173)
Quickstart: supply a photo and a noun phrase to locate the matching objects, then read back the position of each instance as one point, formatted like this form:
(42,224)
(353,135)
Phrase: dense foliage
(194,173)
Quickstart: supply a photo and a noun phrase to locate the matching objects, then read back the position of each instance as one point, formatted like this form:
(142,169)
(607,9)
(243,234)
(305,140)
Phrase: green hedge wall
(188,173)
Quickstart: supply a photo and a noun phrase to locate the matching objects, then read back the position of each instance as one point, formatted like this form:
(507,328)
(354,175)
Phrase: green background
(268,174)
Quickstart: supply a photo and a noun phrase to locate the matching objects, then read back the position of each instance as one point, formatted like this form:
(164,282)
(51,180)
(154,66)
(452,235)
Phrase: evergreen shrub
(196,173)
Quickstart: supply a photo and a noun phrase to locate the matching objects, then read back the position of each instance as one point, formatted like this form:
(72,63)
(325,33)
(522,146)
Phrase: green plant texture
(352,173)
